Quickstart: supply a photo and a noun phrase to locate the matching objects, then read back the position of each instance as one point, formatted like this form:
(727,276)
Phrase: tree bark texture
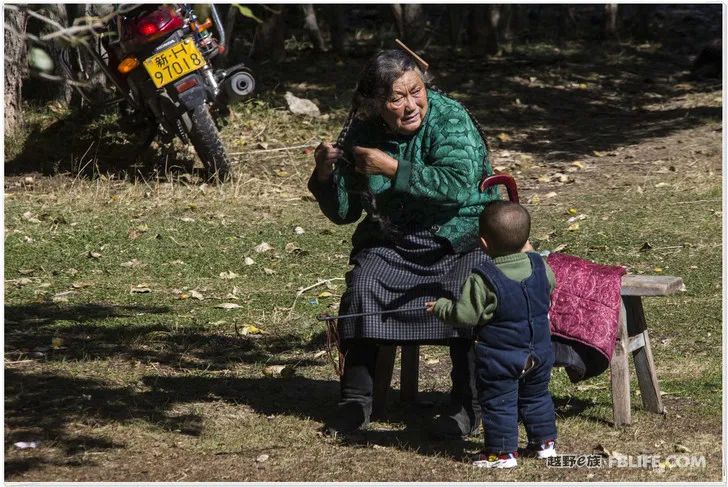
(16,64)
(411,22)
(270,36)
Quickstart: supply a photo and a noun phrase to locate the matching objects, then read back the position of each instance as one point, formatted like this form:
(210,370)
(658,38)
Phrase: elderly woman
(412,160)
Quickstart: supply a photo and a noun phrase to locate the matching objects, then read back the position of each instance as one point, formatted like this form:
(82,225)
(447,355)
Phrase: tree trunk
(410,20)
(269,40)
(310,23)
(477,29)
(336,18)
(52,90)
(611,10)
(456,16)
(15,66)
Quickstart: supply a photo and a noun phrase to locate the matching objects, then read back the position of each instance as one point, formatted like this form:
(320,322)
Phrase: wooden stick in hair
(424,66)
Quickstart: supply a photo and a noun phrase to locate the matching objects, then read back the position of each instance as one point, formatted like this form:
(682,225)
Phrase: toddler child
(507,301)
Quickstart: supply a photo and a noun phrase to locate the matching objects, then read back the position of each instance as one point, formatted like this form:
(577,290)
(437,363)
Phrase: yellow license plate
(174,62)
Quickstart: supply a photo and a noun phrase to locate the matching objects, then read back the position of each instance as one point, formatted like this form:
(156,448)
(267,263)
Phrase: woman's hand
(430,306)
(326,155)
(374,161)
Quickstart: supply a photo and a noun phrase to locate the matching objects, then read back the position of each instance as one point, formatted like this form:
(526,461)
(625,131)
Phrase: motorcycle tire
(206,140)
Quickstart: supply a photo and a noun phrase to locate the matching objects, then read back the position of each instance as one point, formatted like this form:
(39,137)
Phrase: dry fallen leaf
(573,227)
(249,261)
(572,211)
(251,330)
(268,271)
(94,255)
(503,137)
(262,458)
(325,294)
(228,275)
(279,371)
(28,216)
(662,185)
(576,218)
(560,247)
(79,285)
(140,289)
(577,164)
(562,177)
(227,306)
(319,354)
(299,231)
(196,295)
(56,342)
(552,194)
(131,263)
(291,247)
(263,247)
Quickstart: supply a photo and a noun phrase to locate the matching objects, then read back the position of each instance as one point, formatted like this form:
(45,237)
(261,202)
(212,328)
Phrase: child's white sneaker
(491,460)
(545,449)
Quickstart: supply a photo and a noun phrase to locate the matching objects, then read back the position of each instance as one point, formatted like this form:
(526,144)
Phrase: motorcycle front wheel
(206,140)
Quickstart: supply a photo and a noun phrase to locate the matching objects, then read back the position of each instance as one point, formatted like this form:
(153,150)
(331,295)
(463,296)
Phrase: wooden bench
(632,337)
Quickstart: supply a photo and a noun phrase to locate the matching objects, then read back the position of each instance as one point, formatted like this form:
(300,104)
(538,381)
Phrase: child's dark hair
(505,225)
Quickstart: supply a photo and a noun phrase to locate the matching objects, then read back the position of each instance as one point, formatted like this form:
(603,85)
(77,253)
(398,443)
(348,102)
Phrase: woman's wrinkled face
(406,107)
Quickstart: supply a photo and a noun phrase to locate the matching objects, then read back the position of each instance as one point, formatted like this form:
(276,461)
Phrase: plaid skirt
(419,267)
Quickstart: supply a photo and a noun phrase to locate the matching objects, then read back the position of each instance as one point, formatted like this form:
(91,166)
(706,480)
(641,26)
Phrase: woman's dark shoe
(349,418)
(455,426)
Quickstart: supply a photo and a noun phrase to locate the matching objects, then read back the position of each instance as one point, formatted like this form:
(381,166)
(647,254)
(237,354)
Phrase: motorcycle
(159,57)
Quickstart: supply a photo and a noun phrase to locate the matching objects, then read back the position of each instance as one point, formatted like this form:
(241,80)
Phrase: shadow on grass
(416,419)
(89,144)
(42,407)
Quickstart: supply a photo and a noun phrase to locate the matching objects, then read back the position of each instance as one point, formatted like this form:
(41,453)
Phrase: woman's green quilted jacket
(435,186)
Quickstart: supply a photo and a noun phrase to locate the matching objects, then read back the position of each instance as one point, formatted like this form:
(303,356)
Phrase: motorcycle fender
(192,97)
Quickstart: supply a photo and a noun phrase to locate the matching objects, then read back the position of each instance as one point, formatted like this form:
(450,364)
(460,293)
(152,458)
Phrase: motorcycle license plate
(174,62)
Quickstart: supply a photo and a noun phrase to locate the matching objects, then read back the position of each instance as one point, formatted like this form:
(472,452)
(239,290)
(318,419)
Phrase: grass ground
(120,363)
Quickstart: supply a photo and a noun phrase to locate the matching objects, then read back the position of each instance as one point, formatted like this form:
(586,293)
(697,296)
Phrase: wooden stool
(632,337)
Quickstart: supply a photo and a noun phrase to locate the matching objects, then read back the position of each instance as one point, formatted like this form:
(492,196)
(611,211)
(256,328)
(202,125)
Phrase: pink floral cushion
(586,302)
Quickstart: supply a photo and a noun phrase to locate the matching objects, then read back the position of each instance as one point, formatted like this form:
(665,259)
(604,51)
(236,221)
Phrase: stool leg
(644,363)
(620,375)
(383,379)
(409,375)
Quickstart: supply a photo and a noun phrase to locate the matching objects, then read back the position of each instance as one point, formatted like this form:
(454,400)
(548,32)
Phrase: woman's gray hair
(377,78)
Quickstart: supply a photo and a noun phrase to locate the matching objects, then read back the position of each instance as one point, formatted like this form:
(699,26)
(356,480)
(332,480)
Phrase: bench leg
(382,379)
(644,363)
(620,375)
(410,373)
